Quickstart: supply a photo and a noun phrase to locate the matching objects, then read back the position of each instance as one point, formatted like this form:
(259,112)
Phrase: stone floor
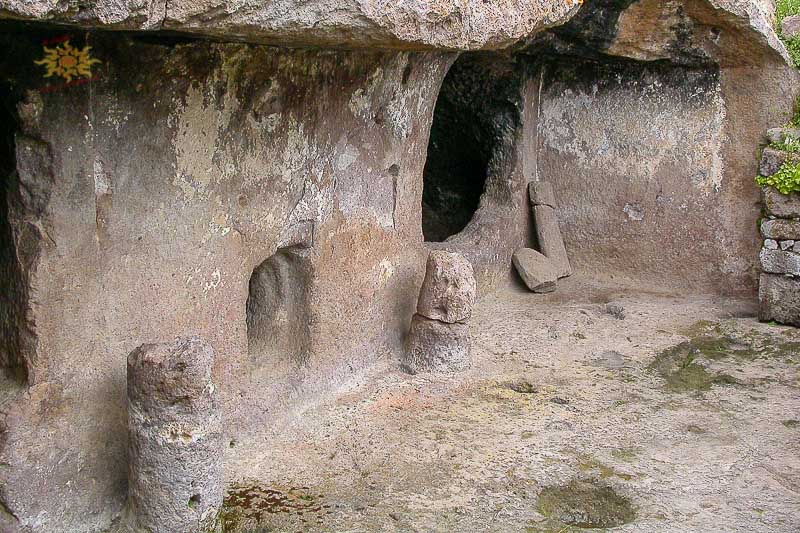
(682,416)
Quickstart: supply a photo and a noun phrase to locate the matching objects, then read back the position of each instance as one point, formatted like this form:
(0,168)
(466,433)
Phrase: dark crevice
(12,293)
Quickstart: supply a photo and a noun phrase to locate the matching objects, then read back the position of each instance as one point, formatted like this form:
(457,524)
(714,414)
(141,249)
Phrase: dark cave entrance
(11,283)
(459,151)
(278,308)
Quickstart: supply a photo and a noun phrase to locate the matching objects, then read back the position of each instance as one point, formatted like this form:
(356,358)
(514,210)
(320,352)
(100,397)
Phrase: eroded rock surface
(452,24)
(448,291)
(175,453)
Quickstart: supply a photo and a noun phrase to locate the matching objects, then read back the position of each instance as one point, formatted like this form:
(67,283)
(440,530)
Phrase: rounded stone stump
(175,441)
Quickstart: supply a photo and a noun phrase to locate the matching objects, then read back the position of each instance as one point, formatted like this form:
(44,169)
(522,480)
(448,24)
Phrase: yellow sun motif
(67,61)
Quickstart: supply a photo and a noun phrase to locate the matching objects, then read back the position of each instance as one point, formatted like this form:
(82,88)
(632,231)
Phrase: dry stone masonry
(439,339)
(779,283)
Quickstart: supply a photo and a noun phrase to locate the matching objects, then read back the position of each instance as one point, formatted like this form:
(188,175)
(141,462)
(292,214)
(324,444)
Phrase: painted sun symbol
(67,61)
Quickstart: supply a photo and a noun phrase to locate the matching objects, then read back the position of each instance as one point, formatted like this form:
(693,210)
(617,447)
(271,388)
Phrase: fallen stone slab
(780,262)
(175,439)
(781,205)
(449,289)
(780,229)
(435,346)
(548,233)
(537,271)
(779,299)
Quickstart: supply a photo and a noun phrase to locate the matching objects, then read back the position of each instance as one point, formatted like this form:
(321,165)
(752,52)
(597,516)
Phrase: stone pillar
(175,447)
(439,338)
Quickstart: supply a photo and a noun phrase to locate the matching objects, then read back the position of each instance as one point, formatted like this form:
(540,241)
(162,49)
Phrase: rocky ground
(583,408)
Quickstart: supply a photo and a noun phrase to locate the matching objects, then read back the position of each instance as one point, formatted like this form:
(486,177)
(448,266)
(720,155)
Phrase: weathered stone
(616,309)
(537,271)
(780,262)
(781,205)
(175,431)
(796,247)
(779,135)
(790,26)
(780,229)
(779,299)
(772,160)
(435,346)
(449,24)
(449,289)
(550,241)
(541,193)
(786,245)
(771,244)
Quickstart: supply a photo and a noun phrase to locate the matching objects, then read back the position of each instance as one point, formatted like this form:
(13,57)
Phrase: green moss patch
(585,504)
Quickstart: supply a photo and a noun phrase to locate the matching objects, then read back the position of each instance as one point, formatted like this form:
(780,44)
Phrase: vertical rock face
(175,432)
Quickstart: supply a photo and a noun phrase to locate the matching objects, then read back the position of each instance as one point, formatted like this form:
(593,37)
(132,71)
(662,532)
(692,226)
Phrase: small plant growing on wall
(783,9)
(786,180)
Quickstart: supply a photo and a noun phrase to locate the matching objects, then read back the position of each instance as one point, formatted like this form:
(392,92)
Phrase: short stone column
(439,339)
(175,447)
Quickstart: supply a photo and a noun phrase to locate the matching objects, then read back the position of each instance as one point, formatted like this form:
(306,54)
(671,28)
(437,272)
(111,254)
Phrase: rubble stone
(537,271)
(175,432)
(779,135)
(449,289)
(790,26)
(771,244)
(786,245)
(435,346)
(779,299)
(780,262)
(780,229)
(772,159)
(781,205)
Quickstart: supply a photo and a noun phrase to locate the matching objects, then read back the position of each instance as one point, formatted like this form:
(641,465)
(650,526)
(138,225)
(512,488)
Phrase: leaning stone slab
(434,346)
(548,232)
(779,299)
(781,205)
(772,160)
(541,193)
(781,229)
(175,439)
(780,262)
(537,271)
(449,289)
